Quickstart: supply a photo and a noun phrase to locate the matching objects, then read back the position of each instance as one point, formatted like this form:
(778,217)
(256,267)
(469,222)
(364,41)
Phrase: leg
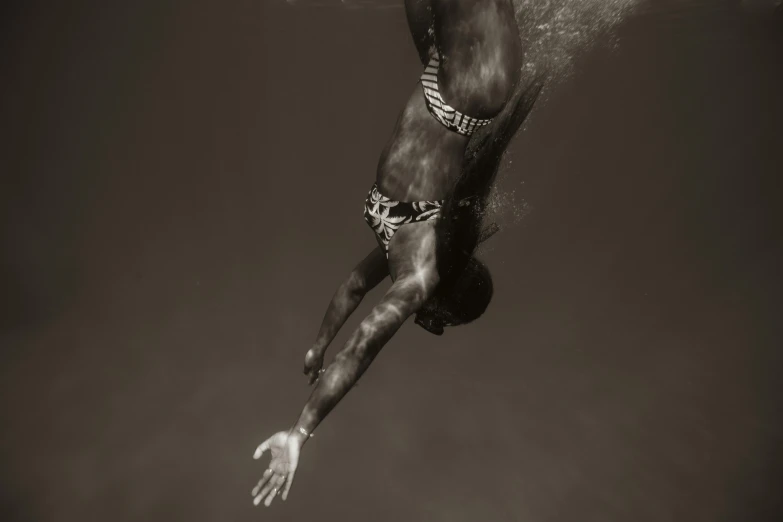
(481,54)
(419,13)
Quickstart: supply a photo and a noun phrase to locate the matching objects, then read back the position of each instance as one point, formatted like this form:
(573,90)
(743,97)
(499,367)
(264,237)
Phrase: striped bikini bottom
(451,118)
(386,216)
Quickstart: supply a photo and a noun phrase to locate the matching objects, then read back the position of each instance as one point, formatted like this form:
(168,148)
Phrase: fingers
(315,375)
(313,358)
(270,490)
(264,479)
(309,371)
(261,449)
(264,492)
(287,486)
(313,365)
(280,480)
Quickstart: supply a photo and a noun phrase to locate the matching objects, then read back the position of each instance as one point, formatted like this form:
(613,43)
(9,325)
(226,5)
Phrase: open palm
(279,475)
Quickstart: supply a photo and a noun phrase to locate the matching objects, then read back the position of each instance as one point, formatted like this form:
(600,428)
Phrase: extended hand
(278,477)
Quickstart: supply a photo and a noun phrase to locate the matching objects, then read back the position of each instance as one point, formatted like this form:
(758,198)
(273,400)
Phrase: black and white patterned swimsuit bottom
(450,117)
(386,216)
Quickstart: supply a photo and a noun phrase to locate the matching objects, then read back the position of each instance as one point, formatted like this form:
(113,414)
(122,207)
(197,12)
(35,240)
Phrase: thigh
(481,53)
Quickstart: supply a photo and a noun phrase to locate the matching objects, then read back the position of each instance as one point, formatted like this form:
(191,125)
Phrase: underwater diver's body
(472,56)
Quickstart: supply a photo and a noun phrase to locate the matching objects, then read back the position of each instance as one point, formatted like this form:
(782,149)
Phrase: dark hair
(462,302)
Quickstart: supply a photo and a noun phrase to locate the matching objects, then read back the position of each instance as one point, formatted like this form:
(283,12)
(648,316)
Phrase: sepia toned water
(182,191)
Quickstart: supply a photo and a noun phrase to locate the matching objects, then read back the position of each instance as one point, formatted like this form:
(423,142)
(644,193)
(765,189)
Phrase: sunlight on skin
(419,159)
(480,66)
(415,281)
(421,162)
(423,259)
(481,59)
(406,295)
(364,277)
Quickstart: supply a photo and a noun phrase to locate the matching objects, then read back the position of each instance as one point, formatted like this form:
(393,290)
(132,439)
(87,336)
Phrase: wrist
(300,435)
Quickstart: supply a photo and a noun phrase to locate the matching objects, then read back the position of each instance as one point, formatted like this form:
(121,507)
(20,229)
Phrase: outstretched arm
(367,275)
(403,299)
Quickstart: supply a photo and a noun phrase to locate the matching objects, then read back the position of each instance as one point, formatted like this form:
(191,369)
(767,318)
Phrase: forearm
(334,384)
(344,302)
(344,372)
(363,278)
(359,352)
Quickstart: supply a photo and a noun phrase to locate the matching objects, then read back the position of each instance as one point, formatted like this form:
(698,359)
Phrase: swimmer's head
(463,302)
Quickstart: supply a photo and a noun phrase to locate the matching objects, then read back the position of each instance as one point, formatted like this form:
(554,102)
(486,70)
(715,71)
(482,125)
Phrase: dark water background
(182,186)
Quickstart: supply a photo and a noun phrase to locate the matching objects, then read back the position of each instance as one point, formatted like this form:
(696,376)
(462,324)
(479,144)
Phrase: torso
(480,53)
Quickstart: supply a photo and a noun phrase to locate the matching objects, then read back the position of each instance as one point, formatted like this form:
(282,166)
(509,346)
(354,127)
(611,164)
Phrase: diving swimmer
(424,207)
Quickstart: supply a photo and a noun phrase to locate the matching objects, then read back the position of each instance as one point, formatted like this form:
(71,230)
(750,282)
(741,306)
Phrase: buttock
(385,216)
